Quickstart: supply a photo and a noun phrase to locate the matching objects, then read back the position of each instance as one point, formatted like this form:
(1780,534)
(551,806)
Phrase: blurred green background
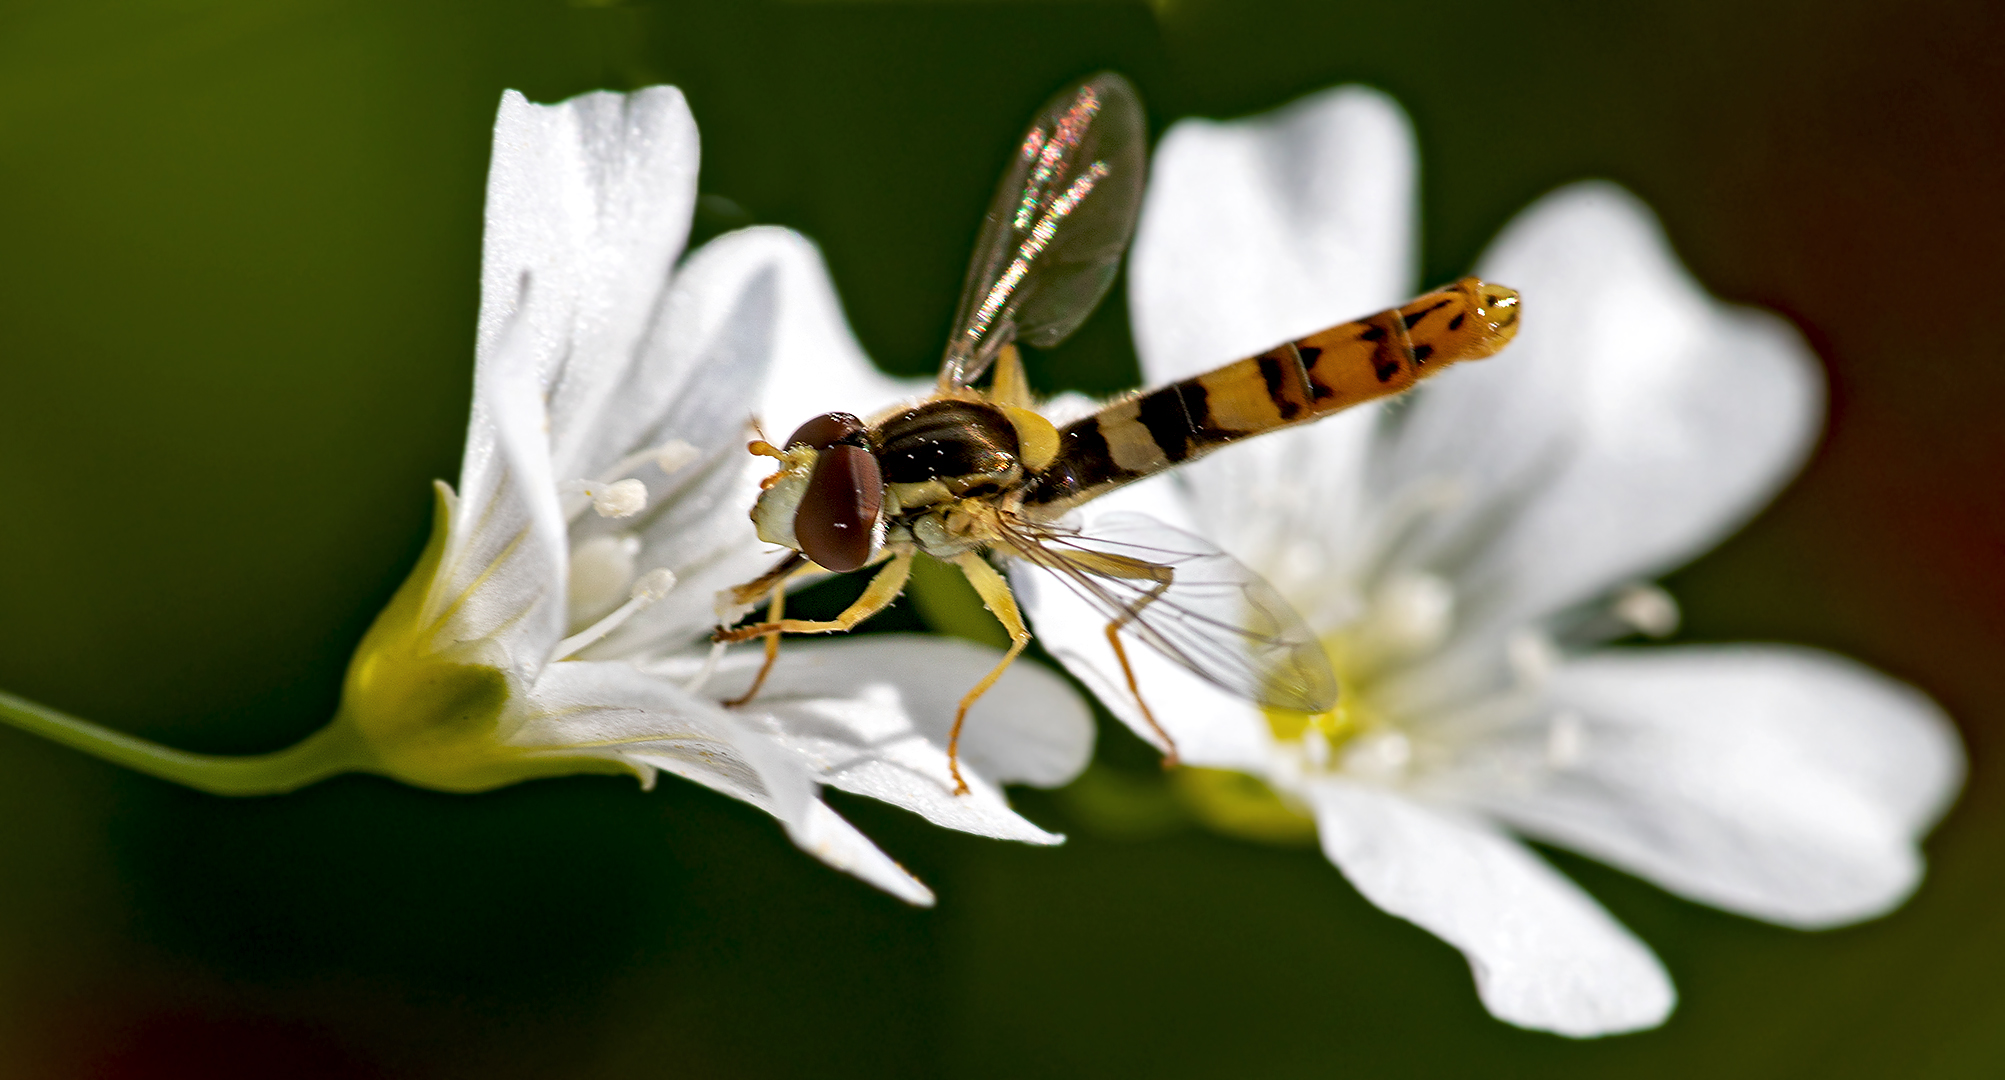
(238,255)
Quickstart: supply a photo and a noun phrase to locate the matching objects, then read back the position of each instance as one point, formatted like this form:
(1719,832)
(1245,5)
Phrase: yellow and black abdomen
(1293,383)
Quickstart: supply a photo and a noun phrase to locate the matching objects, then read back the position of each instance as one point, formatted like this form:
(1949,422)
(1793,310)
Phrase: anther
(1648,608)
(1382,755)
(675,455)
(619,499)
(654,584)
(1415,611)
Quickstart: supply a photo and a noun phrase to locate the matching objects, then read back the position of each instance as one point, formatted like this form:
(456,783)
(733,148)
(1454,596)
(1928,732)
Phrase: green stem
(333,749)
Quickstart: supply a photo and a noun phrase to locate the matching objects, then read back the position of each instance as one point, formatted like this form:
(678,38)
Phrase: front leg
(883,589)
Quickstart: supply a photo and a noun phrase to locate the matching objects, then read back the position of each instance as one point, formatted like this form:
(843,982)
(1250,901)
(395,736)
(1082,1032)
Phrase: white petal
(751,319)
(818,366)
(1294,504)
(1786,784)
(500,583)
(1634,422)
(699,369)
(592,197)
(825,835)
(749,313)
(1544,954)
(588,202)
(1209,725)
(1262,230)
(871,716)
(611,710)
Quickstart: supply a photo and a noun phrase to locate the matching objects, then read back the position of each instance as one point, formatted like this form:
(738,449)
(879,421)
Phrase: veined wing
(1054,235)
(1190,601)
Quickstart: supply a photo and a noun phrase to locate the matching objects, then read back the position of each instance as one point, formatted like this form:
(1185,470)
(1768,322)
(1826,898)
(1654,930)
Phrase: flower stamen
(674,456)
(708,668)
(651,587)
(619,499)
(602,575)
(1650,610)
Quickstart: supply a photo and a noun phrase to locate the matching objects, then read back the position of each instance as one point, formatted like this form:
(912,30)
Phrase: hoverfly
(970,473)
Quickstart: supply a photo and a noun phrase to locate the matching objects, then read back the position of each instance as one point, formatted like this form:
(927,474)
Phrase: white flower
(558,621)
(1464,554)
(603,505)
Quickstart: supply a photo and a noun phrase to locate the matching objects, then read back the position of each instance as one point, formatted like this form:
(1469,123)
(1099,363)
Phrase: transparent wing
(1053,238)
(1190,601)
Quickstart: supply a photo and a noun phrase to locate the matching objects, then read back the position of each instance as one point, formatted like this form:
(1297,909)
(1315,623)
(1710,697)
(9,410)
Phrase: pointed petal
(871,716)
(1544,954)
(1633,423)
(1262,230)
(1783,783)
(825,835)
(1209,725)
(613,711)
(593,197)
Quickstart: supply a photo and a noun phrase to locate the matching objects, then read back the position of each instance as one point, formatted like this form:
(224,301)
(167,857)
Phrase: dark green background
(238,256)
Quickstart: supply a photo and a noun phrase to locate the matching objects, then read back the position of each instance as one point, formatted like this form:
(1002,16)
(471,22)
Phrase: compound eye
(839,509)
(825,431)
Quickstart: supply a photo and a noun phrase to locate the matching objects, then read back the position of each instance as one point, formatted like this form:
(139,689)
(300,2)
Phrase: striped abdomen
(1292,383)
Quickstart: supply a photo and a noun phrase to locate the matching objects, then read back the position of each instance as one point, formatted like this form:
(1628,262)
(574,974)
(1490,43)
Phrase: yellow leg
(1133,569)
(882,590)
(773,613)
(1121,654)
(995,594)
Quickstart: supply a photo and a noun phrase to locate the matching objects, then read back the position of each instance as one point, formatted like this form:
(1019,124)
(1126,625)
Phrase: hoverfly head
(826,499)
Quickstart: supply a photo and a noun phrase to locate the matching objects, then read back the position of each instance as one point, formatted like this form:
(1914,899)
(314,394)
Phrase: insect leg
(1121,654)
(1121,566)
(883,589)
(751,591)
(773,582)
(773,613)
(995,594)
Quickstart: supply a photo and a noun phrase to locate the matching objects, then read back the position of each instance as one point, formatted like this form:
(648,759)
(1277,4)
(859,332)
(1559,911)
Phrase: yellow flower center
(1407,616)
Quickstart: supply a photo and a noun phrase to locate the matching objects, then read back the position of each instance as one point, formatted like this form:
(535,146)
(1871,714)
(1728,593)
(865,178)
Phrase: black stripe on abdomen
(1084,462)
(1174,416)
